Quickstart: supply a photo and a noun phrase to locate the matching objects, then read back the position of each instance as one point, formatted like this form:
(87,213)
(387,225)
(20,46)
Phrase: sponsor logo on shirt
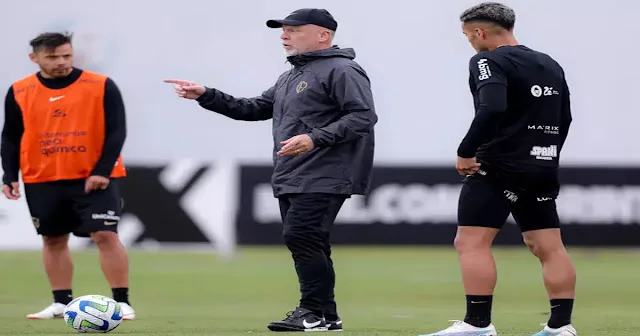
(546,129)
(483,68)
(539,91)
(545,153)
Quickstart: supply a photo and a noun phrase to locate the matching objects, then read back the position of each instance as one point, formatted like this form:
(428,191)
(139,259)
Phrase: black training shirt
(522,110)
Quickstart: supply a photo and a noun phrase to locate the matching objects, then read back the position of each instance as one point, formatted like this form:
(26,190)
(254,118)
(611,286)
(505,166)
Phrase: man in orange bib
(64,129)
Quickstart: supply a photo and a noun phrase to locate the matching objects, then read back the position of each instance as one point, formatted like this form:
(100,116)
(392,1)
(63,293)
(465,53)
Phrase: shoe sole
(330,328)
(284,328)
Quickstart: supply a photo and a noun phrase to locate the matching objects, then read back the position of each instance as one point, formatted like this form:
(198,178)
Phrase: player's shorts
(487,200)
(62,207)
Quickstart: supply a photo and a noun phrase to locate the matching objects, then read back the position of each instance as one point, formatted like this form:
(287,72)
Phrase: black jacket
(327,95)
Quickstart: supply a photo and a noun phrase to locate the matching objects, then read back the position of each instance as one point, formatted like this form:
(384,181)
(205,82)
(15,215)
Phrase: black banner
(159,208)
(417,205)
(172,205)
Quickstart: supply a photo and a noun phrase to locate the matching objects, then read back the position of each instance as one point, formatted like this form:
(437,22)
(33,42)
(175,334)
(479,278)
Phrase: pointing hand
(186,89)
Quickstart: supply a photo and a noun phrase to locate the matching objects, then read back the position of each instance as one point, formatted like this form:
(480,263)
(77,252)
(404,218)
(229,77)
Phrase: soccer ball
(93,313)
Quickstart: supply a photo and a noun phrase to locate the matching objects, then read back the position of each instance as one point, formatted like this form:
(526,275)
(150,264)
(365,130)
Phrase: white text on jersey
(483,68)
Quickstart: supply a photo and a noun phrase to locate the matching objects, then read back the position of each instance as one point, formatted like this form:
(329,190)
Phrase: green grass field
(381,291)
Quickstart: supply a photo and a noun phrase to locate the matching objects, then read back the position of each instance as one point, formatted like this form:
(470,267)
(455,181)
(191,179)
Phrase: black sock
(121,294)
(561,310)
(479,310)
(63,296)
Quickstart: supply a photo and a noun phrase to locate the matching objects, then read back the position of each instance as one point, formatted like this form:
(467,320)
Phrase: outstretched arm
(247,109)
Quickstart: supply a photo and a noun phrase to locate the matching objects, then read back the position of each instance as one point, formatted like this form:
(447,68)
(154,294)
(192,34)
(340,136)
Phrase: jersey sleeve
(115,129)
(12,132)
(492,102)
(486,69)
(566,117)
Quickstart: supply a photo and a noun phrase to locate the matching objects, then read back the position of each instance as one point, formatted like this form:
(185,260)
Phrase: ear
(33,57)
(325,36)
(479,33)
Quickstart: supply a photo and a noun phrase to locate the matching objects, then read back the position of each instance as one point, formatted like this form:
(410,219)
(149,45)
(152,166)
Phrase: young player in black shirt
(510,159)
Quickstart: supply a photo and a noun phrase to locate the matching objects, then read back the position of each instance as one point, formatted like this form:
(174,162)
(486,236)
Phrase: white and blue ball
(93,313)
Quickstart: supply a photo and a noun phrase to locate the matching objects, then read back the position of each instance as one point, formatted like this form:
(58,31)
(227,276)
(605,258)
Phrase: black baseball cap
(304,16)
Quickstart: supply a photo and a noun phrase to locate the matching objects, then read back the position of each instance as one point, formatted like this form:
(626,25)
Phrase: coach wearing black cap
(323,131)
(306,16)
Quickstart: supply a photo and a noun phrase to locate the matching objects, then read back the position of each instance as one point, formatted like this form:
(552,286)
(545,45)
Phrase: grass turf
(380,291)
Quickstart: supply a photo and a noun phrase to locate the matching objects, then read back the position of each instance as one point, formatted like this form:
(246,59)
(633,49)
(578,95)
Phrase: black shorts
(486,202)
(62,207)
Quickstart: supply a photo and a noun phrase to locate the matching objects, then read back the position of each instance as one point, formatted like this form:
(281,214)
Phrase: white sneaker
(460,328)
(55,310)
(127,312)
(567,330)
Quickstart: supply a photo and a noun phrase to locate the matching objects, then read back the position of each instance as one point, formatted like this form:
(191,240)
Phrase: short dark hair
(492,12)
(49,41)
